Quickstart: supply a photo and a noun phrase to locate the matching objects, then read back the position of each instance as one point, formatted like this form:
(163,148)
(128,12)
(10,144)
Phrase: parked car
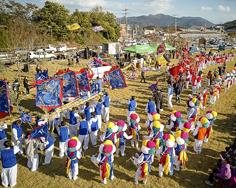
(41,55)
(64,48)
(50,48)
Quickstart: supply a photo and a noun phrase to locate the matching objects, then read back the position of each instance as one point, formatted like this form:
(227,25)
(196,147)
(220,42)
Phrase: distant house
(149,30)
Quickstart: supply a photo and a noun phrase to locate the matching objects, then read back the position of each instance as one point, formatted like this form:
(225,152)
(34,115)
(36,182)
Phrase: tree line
(27,25)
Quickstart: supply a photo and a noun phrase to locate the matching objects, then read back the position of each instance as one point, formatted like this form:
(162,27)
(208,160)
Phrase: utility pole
(126,20)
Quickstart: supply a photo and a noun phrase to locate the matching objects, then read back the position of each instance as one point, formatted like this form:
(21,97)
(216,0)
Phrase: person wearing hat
(110,133)
(166,163)
(73,122)
(105,160)
(64,135)
(98,111)
(180,150)
(192,110)
(144,160)
(134,129)
(131,106)
(17,132)
(84,130)
(9,165)
(106,107)
(121,137)
(175,122)
(156,135)
(73,156)
(199,133)
(211,116)
(93,128)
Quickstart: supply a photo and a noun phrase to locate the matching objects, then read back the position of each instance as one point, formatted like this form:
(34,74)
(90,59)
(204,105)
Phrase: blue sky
(216,11)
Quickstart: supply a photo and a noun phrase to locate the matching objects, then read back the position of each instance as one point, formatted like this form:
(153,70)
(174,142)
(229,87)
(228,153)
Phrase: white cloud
(224,8)
(206,8)
(134,7)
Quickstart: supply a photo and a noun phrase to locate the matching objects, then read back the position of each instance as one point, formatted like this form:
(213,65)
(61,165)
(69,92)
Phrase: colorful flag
(116,78)
(25,117)
(174,71)
(40,132)
(4,99)
(73,27)
(49,94)
(42,75)
(69,84)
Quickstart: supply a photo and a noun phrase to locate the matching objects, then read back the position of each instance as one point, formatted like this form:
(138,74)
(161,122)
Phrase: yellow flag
(73,27)
(161,60)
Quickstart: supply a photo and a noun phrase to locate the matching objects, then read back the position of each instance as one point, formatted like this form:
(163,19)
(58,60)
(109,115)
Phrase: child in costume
(134,129)
(213,95)
(211,116)
(122,137)
(192,111)
(156,136)
(180,150)
(199,133)
(205,95)
(155,117)
(73,156)
(63,138)
(105,160)
(111,133)
(166,163)
(106,107)
(94,128)
(185,132)
(144,161)
(175,122)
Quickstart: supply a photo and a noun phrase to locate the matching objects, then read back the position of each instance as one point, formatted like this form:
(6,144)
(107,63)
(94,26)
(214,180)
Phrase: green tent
(140,49)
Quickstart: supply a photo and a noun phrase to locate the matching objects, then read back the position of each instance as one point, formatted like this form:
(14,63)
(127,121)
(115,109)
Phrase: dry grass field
(198,166)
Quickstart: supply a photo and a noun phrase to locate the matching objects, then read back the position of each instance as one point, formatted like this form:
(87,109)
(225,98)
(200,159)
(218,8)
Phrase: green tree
(53,19)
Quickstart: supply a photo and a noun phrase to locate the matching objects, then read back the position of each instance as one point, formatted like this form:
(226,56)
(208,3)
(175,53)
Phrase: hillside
(163,20)
(230,25)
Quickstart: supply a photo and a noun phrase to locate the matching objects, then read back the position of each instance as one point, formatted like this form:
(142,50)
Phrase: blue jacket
(83,127)
(19,130)
(94,125)
(64,134)
(99,85)
(2,134)
(106,101)
(132,105)
(73,119)
(50,141)
(98,109)
(87,113)
(8,158)
(151,107)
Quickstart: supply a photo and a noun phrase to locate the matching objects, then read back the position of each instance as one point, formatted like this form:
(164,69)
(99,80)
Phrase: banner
(116,79)
(42,75)
(69,84)
(4,100)
(40,132)
(49,94)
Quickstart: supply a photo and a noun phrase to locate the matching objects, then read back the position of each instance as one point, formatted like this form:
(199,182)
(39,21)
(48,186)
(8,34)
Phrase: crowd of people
(165,145)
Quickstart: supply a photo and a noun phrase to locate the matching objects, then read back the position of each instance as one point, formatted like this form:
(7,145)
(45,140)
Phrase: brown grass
(197,167)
